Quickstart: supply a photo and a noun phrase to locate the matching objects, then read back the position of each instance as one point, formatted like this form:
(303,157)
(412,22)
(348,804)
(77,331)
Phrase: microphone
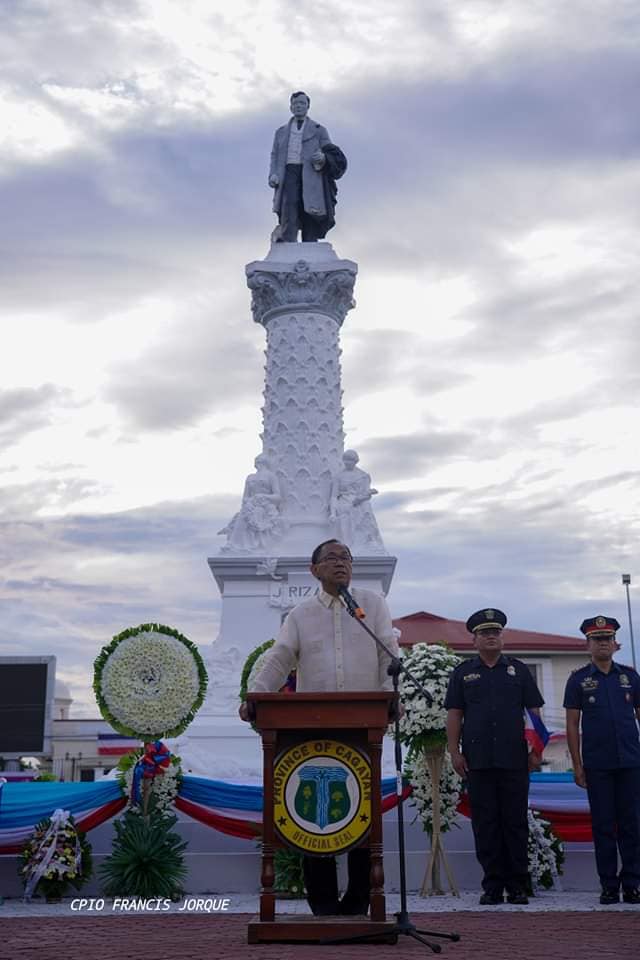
(352,607)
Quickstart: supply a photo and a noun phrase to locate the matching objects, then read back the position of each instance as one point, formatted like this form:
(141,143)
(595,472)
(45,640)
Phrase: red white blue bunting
(236,809)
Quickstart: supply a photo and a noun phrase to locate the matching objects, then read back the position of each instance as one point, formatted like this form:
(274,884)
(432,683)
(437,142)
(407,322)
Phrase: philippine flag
(535,731)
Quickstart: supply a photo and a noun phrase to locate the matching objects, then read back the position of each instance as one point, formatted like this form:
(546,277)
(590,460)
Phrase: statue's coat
(314,138)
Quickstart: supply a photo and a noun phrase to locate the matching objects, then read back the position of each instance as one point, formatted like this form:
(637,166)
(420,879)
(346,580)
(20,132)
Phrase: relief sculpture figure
(258,522)
(350,507)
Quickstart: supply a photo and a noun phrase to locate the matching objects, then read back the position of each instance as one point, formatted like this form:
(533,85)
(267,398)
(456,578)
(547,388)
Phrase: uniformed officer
(485,704)
(606,695)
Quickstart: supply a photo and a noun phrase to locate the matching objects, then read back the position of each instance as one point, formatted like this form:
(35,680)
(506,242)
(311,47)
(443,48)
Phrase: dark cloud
(523,317)
(188,376)
(548,570)
(22,500)
(71,583)
(74,40)
(392,358)
(146,218)
(532,107)
(396,500)
(24,409)
(415,454)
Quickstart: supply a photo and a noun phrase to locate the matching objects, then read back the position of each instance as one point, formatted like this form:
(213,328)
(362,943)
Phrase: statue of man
(304,168)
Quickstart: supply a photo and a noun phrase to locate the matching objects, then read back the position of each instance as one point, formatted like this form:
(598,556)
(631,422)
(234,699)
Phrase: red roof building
(429,628)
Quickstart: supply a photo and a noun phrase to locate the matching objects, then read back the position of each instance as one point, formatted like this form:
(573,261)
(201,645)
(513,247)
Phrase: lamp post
(626,580)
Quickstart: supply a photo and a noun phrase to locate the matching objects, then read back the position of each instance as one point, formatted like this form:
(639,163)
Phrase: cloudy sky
(491,370)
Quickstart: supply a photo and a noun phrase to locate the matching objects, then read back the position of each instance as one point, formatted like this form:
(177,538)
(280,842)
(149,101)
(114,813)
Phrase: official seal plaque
(322,797)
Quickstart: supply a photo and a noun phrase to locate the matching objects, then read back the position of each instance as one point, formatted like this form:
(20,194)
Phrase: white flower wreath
(424,725)
(417,771)
(149,682)
(423,728)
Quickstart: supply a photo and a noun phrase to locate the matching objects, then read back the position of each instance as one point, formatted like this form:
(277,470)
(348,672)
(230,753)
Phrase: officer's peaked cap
(599,627)
(483,619)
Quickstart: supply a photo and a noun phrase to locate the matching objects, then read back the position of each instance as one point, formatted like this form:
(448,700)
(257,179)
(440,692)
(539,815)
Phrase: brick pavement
(485,936)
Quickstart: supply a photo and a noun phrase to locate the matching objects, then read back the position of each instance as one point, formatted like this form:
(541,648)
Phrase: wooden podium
(322,757)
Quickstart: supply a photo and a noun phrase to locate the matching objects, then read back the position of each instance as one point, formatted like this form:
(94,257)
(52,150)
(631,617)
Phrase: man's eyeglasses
(336,558)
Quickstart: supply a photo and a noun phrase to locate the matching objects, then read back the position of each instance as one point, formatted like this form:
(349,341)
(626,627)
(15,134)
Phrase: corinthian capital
(301,288)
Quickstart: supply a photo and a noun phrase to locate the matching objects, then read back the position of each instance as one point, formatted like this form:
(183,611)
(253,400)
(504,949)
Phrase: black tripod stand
(403,925)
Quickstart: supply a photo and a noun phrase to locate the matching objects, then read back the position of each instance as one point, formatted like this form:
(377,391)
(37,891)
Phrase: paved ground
(500,935)
(218,904)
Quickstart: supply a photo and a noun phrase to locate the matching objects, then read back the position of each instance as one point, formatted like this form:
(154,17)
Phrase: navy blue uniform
(493,700)
(611,760)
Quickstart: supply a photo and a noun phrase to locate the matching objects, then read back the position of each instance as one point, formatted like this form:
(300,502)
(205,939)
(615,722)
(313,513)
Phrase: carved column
(301,294)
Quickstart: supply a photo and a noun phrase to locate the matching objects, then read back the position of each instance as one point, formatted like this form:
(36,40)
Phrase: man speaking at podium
(331,652)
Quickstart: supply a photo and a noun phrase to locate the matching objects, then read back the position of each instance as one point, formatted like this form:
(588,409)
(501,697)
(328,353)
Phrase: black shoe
(491,899)
(350,907)
(630,895)
(325,909)
(610,895)
(517,896)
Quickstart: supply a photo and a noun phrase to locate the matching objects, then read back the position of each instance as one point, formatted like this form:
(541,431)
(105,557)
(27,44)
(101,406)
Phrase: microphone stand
(403,925)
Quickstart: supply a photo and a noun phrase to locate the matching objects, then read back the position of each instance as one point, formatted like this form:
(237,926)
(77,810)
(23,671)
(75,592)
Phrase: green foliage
(45,777)
(126,761)
(147,858)
(289,877)
(429,740)
(104,655)
(248,666)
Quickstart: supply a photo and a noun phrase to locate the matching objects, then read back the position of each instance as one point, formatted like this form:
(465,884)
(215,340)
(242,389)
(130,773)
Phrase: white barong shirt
(328,649)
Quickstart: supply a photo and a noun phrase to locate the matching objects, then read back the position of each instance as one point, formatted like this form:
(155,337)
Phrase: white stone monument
(305,489)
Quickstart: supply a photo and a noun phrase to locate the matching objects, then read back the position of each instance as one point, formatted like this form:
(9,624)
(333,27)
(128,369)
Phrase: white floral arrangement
(149,682)
(55,857)
(423,728)
(546,853)
(163,788)
(416,770)
(424,725)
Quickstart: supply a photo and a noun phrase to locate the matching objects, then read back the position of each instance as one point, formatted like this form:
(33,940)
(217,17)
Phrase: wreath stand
(432,884)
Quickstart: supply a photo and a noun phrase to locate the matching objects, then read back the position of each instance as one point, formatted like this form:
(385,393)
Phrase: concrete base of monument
(220,749)
(219,864)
